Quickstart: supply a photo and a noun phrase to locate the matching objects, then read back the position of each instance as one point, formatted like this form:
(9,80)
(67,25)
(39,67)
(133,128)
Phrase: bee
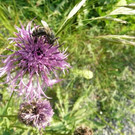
(44,31)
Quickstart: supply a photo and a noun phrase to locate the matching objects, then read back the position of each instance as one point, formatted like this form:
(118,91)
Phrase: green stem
(5,111)
(8,116)
(61,27)
(19,127)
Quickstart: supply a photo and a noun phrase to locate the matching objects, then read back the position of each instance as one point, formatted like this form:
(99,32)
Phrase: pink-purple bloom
(33,66)
(36,113)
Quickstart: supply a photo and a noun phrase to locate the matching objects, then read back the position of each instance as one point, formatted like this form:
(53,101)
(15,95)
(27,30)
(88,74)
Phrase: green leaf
(119,39)
(121,3)
(75,9)
(132,6)
(123,11)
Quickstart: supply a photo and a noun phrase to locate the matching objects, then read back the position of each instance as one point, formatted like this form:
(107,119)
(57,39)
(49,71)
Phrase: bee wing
(45,24)
(48,30)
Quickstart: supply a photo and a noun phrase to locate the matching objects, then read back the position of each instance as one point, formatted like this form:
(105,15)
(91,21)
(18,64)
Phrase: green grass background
(104,101)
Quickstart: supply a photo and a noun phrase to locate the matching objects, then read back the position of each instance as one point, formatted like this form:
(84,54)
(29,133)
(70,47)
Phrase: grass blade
(71,14)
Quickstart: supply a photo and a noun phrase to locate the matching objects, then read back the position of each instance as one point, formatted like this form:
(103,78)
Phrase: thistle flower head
(36,113)
(35,61)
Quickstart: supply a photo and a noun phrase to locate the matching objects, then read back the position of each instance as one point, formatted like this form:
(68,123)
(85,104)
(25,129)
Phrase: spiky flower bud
(36,113)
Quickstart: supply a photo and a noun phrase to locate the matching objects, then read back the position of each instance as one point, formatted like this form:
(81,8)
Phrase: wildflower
(35,61)
(36,113)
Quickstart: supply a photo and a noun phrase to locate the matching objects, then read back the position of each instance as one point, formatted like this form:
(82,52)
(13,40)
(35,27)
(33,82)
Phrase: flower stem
(5,111)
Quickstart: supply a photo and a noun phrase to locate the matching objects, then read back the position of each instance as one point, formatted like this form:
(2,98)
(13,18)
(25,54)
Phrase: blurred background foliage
(99,89)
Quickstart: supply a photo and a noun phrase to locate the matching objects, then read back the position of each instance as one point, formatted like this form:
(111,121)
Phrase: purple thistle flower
(34,62)
(36,113)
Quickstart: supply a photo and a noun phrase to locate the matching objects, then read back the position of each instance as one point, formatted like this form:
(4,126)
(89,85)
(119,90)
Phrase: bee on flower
(33,66)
